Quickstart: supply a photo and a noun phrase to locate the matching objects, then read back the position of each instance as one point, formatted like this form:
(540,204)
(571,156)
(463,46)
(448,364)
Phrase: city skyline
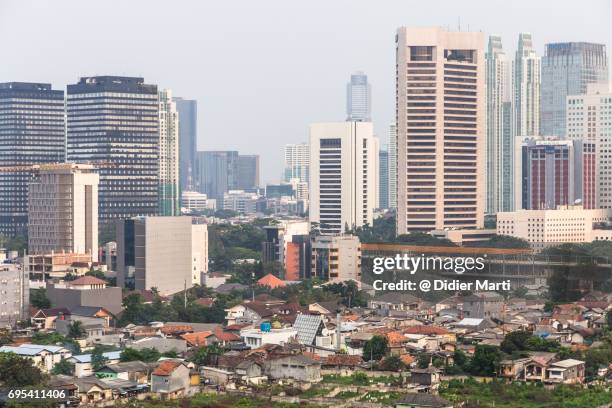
(276,59)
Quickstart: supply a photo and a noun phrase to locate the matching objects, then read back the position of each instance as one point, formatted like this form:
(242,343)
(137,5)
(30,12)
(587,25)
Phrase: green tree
(392,363)
(64,367)
(98,359)
(39,299)
(501,241)
(375,348)
(515,341)
(485,361)
(5,337)
(17,371)
(423,360)
(76,330)
(147,355)
(423,239)
(609,319)
(207,355)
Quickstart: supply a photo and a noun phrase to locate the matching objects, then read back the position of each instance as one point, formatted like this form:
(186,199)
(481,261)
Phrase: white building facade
(168,155)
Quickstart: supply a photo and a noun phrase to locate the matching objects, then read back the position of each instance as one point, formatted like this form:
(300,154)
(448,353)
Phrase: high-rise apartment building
(526,88)
(589,118)
(31,132)
(440,129)
(63,210)
(15,301)
(507,167)
(567,69)
(188,141)
(496,63)
(358,98)
(115,120)
(343,175)
(248,172)
(392,166)
(383,179)
(555,172)
(169,126)
(296,162)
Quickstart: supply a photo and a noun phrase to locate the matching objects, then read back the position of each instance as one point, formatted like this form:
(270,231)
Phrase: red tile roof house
(170,379)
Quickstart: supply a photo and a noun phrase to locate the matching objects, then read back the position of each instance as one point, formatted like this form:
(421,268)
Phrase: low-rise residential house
(568,371)
(535,369)
(513,369)
(296,367)
(423,400)
(382,304)
(429,376)
(216,376)
(161,344)
(83,366)
(482,305)
(199,339)
(250,371)
(256,337)
(45,357)
(45,318)
(92,390)
(136,371)
(171,379)
(94,326)
(326,308)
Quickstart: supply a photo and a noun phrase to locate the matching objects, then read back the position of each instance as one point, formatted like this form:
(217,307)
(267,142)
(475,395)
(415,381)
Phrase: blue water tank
(265,327)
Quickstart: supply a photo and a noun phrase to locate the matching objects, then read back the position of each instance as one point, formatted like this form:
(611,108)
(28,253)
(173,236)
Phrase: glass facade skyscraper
(31,132)
(188,141)
(567,69)
(115,121)
(358,98)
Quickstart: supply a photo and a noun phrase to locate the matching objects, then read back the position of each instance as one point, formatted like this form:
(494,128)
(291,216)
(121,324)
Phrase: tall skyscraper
(169,130)
(115,120)
(440,129)
(567,69)
(496,92)
(383,178)
(358,98)
(31,132)
(188,141)
(589,118)
(63,210)
(297,162)
(526,88)
(507,166)
(217,173)
(392,166)
(343,175)
(248,172)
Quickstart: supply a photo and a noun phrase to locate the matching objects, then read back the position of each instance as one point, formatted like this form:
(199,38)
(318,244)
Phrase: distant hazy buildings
(115,120)
(240,201)
(188,141)
(589,118)
(440,157)
(248,172)
(344,175)
(296,162)
(553,172)
(168,155)
(383,179)
(526,88)
(194,201)
(31,132)
(496,71)
(567,69)
(167,253)
(358,98)
(222,171)
(63,210)
(392,166)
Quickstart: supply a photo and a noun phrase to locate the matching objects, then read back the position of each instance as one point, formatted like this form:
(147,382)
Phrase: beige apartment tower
(440,94)
(63,210)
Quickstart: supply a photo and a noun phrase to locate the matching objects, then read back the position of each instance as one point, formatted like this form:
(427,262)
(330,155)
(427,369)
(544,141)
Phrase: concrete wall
(108,298)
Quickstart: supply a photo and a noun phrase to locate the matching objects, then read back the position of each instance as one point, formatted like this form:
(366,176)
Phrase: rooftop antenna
(459,23)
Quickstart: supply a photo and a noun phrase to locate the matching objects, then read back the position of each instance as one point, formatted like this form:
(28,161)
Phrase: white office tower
(526,88)
(297,162)
(440,129)
(589,118)
(392,166)
(63,210)
(168,155)
(496,62)
(344,175)
(358,98)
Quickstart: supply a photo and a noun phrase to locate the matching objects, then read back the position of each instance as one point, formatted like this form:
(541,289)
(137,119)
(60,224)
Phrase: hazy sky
(261,70)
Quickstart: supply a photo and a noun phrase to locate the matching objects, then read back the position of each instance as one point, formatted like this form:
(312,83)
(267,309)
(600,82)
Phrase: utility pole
(185,293)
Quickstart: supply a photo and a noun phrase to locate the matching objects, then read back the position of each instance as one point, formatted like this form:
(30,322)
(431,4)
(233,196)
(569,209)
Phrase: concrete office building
(440,129)
(336,258)
(526,88)
(567,69)
(86,291)
(343,175)
(63,210)
(169,126)
(240,201)
(392,166)
(248,172)
(552,172)
(194,201)
(167,253)
(188,141)
(31,132)
(296,162)
(496,71)
(552,227)
(283,245)
(15,299)
(383,179)
(589,118)
(358,98)
(115,120)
